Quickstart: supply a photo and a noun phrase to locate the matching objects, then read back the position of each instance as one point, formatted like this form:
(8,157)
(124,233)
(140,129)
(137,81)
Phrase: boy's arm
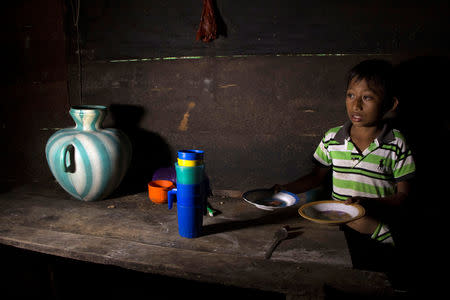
(305,183)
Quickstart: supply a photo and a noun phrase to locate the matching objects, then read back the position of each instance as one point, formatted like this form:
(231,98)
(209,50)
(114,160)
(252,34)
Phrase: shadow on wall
(423,118)
(222,29)
(150,150)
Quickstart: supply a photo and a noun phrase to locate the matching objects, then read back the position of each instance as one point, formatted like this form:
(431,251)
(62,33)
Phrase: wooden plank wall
(257,99)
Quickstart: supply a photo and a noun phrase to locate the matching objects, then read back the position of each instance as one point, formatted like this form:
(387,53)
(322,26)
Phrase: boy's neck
(365,132)
(362,137)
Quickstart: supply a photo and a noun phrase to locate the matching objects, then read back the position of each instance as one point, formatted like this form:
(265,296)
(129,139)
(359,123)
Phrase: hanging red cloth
(207,30)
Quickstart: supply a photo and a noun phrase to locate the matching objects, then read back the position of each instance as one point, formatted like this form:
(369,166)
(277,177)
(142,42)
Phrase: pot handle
(68,158)
(170,195)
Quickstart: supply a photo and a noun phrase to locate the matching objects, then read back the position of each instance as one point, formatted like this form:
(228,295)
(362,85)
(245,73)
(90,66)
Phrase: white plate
(267,200)
(331,212)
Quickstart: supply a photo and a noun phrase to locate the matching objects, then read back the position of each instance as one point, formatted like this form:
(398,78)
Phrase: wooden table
(134,233)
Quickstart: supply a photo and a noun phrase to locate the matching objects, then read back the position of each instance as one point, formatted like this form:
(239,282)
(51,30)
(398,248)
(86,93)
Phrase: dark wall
(33,87)
(143,29)
(258,118)
(257,99)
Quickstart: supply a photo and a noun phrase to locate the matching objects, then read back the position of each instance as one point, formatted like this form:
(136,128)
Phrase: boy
(370,162)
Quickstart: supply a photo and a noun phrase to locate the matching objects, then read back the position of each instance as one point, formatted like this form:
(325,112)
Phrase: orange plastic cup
(157,190)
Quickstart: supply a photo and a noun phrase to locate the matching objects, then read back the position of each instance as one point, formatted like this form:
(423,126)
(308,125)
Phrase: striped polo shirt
(372,173)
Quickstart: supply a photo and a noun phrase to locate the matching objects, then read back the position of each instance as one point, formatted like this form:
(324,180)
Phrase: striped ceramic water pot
(88,161)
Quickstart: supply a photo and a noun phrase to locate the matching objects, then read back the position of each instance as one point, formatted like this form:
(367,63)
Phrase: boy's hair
(378,75)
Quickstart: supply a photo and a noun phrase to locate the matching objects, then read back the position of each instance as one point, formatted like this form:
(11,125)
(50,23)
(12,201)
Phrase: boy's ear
(394,104)
(390,112)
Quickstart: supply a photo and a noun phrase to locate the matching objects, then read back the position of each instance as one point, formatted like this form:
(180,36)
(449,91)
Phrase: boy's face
(364,105)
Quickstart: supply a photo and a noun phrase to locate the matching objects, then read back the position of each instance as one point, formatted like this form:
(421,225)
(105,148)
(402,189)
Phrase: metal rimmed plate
(331,212)
(266,199)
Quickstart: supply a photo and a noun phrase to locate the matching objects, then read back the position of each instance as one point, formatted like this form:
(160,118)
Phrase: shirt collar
(386,135)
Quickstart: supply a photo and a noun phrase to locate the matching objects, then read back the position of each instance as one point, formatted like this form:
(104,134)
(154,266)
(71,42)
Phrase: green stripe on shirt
(376,191)
(362,172)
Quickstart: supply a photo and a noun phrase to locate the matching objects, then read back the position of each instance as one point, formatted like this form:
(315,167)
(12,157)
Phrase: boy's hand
(357,199)
(277,188)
